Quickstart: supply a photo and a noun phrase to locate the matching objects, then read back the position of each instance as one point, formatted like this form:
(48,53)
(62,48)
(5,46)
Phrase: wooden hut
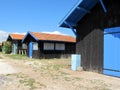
(16,43)
(43,45)
(96,24)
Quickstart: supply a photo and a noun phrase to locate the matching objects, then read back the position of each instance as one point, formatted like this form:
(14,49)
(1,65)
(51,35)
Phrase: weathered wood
(90,34)
(40,53)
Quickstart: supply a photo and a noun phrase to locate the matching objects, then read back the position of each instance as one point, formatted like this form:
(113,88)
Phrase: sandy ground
(6,68)
(50,75)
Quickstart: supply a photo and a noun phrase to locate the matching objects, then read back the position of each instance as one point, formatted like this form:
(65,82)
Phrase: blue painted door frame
(30,49)
(15,48)
(112,51)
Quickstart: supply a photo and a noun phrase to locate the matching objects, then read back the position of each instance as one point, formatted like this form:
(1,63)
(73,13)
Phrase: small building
(16,43)
(96,24)
(43,45)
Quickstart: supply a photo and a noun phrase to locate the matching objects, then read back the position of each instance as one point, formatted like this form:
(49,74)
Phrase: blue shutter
(30,49)
(112,52)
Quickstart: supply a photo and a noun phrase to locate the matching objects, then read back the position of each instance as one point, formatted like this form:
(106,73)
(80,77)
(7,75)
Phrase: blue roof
(78,12)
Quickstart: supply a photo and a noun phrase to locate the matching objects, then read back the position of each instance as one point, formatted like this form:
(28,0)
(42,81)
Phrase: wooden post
(22,52)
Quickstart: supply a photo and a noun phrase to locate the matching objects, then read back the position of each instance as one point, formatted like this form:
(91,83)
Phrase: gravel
(6,68)
(4,80)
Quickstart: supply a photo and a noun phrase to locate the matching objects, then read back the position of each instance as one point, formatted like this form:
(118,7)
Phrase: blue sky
(20,16)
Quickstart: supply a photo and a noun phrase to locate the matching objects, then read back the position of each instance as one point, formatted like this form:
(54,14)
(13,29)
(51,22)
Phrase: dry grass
(55,74)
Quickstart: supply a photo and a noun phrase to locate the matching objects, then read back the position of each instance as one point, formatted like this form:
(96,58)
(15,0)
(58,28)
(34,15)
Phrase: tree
(6,47)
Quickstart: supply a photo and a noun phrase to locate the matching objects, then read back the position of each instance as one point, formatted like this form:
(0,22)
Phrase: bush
(6,47)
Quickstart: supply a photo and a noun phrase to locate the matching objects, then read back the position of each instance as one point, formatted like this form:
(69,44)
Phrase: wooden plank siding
(91,50)
(16,43)
(90,31)
(40,53)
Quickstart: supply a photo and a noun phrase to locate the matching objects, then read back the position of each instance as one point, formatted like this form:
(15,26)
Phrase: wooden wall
(0,48)
(90,34)
(40,53)
(69,49)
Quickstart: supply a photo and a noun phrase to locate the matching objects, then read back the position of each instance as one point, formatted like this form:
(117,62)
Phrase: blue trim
(25,37)
(79,11)
(29,33)
(103,6)
(33,36)
(83,9)
(70,12)
(69,25)
(111,65)
(30,49)
(14,48)
(112,30)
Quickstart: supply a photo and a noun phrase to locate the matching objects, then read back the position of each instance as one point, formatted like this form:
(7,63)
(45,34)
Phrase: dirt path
(6,68)
(52,75)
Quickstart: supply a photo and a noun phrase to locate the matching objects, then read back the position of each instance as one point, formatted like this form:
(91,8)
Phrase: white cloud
(19,33)
(3,35)
(55,32)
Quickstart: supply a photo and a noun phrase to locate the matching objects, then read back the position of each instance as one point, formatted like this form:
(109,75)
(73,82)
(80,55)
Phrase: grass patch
(28,82)
(41,85)
(67,79)
(18,57)
(78,79)
(25,80)
(32,83)
(1,58)
(9,74)
(64,73)
(55,78)
(101,85)
(57,66)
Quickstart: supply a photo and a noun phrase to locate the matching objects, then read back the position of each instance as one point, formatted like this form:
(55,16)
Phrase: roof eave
(29,33)
(68,14)
(80,10)
(58,41)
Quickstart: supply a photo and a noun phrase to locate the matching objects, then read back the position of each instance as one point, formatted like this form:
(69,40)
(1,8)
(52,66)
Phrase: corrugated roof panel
(78,12)
(88,4)
(74,17)
(17,36)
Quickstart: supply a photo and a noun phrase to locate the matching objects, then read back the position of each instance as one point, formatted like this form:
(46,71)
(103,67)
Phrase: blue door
(112,52)
(30,49)
(14,48)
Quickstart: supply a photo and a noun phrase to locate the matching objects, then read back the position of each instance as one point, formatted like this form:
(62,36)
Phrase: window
(24,46)
(48,46)
(35,46)
(59,46)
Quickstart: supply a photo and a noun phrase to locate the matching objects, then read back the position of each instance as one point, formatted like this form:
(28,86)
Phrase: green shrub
(6,47)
